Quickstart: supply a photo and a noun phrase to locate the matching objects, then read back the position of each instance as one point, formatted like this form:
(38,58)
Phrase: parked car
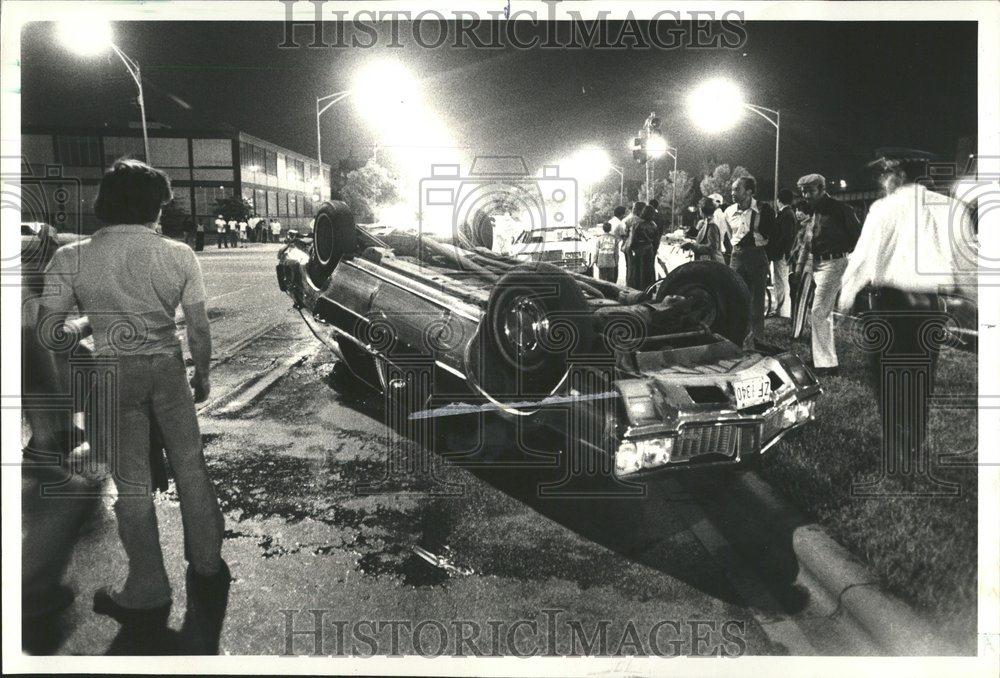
(564,246)
(649,380)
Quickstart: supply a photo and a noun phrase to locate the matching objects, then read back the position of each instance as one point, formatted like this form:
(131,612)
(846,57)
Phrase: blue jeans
(148,387)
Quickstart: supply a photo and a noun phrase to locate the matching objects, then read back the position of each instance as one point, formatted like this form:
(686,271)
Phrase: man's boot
(207,599)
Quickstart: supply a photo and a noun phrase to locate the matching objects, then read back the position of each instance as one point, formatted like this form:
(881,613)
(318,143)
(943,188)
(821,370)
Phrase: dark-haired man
(129,281)
(778,248)
(634,217)
(751,224)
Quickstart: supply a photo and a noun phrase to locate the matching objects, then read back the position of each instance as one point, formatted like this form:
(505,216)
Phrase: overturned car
(646,380)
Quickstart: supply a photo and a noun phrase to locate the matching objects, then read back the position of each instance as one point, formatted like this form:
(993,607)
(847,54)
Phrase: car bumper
(661,428)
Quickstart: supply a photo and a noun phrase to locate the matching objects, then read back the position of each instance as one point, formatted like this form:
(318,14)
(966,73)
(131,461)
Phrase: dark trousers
(752,265)
(902,347)
(641,268)
(234,238)
(609,274)
(199,241)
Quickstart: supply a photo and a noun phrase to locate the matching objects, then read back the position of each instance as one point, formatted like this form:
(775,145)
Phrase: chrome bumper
(667,427)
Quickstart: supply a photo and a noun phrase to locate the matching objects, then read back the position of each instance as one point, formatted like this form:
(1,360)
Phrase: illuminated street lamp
(91,37)
(381,88)
(718,105)
(590,165)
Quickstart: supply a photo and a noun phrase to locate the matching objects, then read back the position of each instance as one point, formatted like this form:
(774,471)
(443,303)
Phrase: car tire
(723,298)
(334,235)
(537,323)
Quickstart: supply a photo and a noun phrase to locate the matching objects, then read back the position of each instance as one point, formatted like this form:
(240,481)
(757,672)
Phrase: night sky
(843,88)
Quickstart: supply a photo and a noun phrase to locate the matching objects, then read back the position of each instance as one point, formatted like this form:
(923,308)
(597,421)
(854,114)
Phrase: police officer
(899,300)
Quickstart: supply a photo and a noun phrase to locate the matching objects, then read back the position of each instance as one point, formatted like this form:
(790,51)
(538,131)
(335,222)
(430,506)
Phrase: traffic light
(639,150)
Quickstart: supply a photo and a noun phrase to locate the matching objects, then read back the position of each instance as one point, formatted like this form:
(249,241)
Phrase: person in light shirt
(915,246)
(718,216)
(751,224)
(129,281)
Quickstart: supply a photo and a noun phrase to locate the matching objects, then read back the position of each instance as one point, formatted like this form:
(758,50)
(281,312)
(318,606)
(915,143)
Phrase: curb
(243,395)
(890,622)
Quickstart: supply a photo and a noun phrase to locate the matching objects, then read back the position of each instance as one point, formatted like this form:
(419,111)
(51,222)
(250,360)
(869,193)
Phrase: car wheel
(722,298)
(537,322)
(334,236)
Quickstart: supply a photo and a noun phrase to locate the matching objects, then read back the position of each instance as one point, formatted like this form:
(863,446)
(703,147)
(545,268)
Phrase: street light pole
(776,121)
(621,183)
(133,69)
(331,99)
(672,152)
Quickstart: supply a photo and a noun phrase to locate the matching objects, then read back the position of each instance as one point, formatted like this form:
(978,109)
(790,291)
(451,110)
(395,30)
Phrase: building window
(205,198)
(78,151)
(272,203)
(271,163)
(260,202)
(295,170)
(253,157)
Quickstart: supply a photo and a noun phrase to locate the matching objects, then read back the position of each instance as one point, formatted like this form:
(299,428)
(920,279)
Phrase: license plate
(750,392)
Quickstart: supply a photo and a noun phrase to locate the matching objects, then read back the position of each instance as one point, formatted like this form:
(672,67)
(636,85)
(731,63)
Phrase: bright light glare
(587,166)
(716,106)
(384,89)
(86,37)
(656,145)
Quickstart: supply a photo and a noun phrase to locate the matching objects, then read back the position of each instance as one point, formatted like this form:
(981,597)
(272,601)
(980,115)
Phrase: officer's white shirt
(914,240)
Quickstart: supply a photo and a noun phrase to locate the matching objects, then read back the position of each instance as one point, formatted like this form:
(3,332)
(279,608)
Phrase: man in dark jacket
(777,251)
(658,220)
(835,232)
(641,251)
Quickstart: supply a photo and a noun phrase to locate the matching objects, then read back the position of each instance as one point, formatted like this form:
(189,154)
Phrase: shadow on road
(654,530)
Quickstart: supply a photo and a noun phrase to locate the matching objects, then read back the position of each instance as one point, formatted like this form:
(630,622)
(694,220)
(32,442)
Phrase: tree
(174,219)
(368,188)
(511,200)
(663,191)
(599,205)
(721,180)
(232,207)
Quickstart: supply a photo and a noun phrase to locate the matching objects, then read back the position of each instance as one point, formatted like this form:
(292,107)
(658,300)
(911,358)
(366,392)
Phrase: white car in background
(568,247)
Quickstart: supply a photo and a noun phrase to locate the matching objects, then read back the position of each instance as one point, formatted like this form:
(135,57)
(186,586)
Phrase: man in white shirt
(243,232)
(914,246)
(220,232)
(750,223)
(725,237)
(617,225)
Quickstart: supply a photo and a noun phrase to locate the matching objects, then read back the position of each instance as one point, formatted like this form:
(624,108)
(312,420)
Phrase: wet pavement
(329,509)
(318,519)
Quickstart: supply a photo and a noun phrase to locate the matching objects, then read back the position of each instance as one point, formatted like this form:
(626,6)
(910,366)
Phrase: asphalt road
(328,511)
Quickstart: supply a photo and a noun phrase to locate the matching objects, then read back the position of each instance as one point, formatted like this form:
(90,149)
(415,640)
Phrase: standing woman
(129,281)
(707,242)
